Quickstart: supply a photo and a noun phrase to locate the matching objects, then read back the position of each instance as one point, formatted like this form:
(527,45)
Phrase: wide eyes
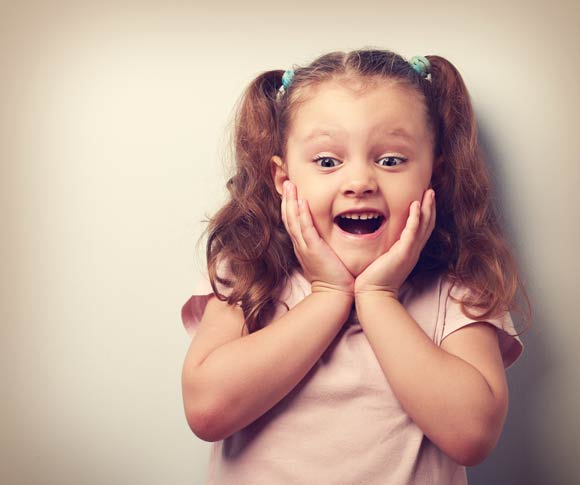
(329,162)
(326,162)
(391,161)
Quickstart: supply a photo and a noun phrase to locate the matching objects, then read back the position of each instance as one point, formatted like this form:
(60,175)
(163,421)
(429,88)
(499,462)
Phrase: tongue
(359,226)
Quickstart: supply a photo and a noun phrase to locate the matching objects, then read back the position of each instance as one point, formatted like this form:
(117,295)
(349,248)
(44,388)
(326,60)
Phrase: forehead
(353,108)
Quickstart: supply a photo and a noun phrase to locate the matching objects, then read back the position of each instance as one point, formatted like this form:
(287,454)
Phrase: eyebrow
(400,133)
(318,132)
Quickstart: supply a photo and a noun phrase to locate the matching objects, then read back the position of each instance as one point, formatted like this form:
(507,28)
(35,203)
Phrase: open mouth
(364,223)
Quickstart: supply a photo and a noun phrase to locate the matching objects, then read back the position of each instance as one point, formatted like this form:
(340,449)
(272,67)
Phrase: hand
(389,271)
(322,267)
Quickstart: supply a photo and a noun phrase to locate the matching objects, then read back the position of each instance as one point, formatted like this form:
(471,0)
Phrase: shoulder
(421,298)
(295,289)
(194,308)
(498,330)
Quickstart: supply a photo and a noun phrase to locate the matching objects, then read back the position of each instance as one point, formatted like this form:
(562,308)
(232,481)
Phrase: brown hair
(466,245)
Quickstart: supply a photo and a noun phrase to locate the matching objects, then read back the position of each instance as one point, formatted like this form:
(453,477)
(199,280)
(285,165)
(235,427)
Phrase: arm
(227,388)
(228,382)
(242,379)
(457,393)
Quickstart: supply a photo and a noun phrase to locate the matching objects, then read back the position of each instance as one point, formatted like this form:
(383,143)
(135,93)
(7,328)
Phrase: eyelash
(402,160)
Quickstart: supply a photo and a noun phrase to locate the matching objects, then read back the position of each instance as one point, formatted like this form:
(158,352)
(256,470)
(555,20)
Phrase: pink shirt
(342,424)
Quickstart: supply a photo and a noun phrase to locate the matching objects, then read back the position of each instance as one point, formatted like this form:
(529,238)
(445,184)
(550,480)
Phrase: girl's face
(360,158)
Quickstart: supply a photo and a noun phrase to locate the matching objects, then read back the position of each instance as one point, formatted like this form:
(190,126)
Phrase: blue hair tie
(421,65)
(287,79)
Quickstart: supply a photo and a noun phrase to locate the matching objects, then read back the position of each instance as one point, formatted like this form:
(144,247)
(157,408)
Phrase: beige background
(112,121)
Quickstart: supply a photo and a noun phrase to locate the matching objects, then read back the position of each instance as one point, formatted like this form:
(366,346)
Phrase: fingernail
(300,202)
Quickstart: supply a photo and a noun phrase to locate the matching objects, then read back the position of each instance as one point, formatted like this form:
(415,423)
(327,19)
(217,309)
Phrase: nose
(359,180)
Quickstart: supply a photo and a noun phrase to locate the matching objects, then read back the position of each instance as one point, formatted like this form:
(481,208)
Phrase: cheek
(304,192)
(317,202)
(320,212)
(400,207)
(318,194)
(402,197)
(399,212)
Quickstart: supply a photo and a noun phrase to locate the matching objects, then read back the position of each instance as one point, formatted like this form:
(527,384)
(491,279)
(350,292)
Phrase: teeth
(364,216)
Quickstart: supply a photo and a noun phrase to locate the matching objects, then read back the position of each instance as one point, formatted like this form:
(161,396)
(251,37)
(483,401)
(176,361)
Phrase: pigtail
(246,238)
(468,224)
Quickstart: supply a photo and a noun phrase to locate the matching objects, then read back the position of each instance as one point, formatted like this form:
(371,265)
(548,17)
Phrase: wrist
(339,292)
(340,303)
(376,293)
(366,301)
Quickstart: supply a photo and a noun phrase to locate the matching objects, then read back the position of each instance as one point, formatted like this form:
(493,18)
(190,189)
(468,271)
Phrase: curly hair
(466,245)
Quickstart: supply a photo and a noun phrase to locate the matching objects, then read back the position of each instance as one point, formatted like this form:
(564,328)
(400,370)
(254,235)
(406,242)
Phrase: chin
(356,267)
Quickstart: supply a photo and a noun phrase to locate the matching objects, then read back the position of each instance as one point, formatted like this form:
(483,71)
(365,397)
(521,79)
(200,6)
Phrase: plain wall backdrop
(113,118)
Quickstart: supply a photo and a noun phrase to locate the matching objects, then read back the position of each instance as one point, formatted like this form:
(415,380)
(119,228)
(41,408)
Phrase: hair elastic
(287,79)
(421,65)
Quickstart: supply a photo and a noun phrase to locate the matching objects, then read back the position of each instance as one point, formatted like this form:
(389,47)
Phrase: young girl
(354,328)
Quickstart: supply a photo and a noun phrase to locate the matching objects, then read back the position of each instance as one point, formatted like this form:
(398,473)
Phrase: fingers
(428,214)
(283,206)
(309,232)
(291,213)
(297,218)
(408,236)
(421,221)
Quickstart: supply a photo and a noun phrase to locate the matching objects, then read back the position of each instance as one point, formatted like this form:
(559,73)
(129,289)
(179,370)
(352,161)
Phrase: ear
(279,173)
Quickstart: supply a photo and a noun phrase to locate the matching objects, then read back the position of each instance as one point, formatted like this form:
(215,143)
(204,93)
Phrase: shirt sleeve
(193,309)
(511,347)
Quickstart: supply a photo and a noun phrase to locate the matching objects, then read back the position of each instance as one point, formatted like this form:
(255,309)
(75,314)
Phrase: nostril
(361,191)
(360,186)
